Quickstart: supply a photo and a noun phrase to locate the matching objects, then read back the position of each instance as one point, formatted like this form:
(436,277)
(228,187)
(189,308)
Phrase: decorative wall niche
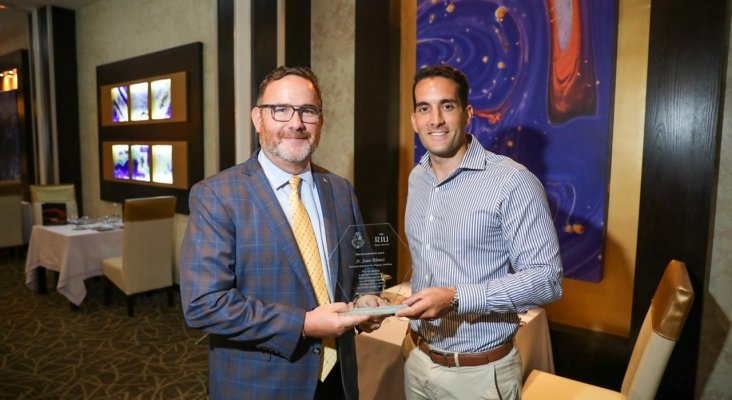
(150,116)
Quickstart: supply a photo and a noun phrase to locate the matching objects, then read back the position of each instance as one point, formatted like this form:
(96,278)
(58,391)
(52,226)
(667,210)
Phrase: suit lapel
(325,193)
(267,202)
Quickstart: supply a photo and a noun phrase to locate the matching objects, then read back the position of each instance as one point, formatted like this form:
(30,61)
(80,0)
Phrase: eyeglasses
(284,112)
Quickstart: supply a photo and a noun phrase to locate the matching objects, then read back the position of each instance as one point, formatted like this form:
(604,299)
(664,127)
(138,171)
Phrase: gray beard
(293,158)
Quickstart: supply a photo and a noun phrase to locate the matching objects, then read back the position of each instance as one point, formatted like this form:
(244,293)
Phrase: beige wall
(12,42)
(113,30)
(333,59)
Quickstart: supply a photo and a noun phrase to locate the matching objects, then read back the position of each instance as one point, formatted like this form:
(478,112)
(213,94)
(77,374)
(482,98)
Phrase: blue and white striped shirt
(486,230)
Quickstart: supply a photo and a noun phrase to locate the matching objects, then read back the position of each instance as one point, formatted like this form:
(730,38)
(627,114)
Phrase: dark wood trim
(297,33)
(41,94)
(376,113)
(686,77)
(226,83)
(264,48)
(596,358)
(66,100)
(30,115)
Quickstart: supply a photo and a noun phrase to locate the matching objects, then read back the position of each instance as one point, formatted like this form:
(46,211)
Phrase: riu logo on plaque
(370,251)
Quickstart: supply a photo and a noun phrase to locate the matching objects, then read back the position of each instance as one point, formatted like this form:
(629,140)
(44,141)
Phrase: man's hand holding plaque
(370,251)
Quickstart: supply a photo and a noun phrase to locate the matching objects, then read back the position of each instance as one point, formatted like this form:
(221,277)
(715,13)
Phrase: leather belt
(461,359)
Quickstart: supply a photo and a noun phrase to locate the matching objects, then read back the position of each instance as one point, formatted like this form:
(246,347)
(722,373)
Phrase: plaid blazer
(243,281)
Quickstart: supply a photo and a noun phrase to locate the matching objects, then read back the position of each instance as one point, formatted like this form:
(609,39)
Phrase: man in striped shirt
(483,248)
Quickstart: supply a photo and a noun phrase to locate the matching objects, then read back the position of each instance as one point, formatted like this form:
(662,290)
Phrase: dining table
(74,251)
(381,364)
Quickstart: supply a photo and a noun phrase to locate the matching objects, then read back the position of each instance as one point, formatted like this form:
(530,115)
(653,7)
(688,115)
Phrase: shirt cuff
(482,299)
(472,299)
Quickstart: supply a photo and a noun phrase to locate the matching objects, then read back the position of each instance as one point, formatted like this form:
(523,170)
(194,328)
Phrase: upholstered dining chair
(11,228)
(146,263)
(61,193)
(659,333)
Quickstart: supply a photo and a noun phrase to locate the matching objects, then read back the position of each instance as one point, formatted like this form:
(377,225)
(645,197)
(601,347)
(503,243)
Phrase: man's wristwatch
(455,303)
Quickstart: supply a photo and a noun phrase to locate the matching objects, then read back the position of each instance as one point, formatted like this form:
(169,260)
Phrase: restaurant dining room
(111,111)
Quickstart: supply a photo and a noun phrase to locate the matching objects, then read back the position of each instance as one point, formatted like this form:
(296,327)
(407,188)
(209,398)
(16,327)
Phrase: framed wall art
(150,115)
(542,78)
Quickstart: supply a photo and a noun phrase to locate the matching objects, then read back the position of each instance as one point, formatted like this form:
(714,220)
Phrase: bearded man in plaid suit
(243,279)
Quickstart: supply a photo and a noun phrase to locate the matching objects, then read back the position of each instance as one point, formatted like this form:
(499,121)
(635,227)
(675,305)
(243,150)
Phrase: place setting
(102,224)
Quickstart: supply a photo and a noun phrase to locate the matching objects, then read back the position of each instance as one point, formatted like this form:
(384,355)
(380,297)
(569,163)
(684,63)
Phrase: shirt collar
(474,157)
(277,177)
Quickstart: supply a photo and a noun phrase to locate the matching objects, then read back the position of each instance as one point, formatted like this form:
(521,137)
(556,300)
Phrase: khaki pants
(425,380)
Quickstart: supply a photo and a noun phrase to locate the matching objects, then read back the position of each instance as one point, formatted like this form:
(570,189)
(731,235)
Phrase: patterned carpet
(48,351)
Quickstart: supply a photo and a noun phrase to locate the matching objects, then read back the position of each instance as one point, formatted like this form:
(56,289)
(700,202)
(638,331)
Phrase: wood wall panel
(376,114)
(66,100)
(227,125)
(686,71)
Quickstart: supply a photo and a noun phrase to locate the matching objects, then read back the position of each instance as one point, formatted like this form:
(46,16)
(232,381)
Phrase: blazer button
(316,351)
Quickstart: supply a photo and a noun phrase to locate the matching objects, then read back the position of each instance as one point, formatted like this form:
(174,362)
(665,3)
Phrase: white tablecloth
(75,254)
(380,363)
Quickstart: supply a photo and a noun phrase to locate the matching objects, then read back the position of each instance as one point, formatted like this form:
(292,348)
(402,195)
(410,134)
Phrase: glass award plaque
(369,254)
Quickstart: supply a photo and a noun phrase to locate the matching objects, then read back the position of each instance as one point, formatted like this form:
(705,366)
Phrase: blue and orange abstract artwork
(541,76)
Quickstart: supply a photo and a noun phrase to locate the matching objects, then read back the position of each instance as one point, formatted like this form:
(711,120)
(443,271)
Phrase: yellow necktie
(305,237)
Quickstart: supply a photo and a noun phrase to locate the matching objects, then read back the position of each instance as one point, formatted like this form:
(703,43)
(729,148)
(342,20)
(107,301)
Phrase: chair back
(147,247)
(11,222)
(63,193)
(659,333)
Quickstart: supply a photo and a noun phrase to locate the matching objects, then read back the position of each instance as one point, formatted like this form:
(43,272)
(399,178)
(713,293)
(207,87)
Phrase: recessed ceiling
(14,13)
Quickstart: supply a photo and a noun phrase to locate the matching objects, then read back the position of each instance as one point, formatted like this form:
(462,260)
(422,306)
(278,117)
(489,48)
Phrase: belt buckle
(443,355)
